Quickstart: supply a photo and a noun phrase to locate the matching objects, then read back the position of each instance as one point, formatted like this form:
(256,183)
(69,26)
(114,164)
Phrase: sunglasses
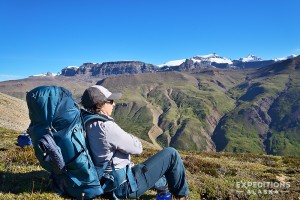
(110,102)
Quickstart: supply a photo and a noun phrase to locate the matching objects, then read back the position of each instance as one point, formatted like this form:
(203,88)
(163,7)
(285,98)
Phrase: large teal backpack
(57,133)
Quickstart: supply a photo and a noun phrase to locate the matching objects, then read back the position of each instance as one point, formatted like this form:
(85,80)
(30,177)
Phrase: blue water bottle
(163,194)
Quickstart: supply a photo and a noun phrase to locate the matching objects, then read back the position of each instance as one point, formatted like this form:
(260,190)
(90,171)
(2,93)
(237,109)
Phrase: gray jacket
(106,139)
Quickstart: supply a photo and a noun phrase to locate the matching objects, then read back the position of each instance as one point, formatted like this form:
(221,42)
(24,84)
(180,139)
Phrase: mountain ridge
(210,109)
(213,60)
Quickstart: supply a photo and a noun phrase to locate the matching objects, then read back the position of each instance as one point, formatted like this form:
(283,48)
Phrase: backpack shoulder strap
(88,116)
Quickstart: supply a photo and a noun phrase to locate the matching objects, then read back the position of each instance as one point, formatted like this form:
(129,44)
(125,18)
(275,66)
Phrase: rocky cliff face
(110,68)
(69,71)
(190,64)
(135,67)
(257,64)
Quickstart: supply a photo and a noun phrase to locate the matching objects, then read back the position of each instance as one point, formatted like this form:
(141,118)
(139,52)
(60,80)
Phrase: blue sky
(38,36)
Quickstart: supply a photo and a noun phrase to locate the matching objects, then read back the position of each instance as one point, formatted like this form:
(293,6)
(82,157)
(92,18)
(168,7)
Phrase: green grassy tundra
(210,175)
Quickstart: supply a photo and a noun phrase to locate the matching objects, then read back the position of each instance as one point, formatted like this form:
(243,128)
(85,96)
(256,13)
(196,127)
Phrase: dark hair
(96,109)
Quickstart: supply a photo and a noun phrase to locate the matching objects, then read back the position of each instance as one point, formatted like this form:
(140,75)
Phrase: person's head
(98,99)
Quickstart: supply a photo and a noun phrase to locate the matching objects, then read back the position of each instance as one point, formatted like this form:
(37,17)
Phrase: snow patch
(172,63)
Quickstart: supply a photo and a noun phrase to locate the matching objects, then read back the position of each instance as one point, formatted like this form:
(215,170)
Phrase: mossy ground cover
(135,118)
(210,175)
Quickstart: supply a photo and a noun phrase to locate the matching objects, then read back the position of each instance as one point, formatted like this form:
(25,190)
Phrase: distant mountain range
(196,106)
(136,67)
(216,59)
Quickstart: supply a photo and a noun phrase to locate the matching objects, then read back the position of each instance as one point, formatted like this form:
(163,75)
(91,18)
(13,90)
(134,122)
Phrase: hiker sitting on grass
(107,141)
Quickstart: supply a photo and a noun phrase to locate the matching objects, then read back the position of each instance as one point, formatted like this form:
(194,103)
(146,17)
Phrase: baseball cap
(96,94)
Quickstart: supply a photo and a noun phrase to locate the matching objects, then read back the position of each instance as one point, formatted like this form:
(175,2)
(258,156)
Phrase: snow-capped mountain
(47,74)
(251,58)
(284,58)
(215,60)
(210,58)
(197,62)
(72,67)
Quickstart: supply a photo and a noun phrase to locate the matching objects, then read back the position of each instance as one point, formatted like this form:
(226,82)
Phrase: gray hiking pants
(166,163)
